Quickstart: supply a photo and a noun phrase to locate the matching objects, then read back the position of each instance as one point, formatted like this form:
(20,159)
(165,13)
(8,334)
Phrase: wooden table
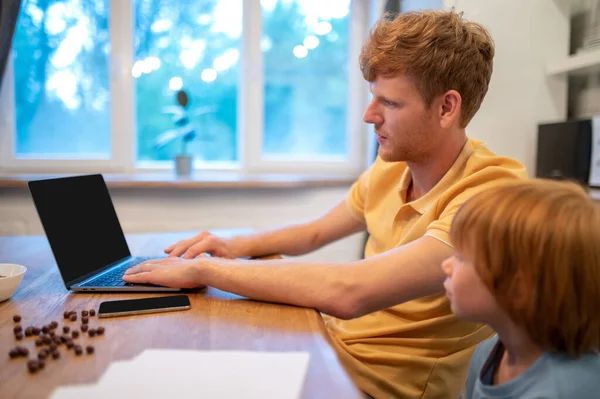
(217,321)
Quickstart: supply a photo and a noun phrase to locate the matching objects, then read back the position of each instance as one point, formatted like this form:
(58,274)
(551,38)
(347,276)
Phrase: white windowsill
(199,179)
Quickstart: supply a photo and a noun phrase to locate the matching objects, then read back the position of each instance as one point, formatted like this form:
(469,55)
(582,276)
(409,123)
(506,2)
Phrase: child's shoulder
(487,345)
(485,348)
(482,353)
(583,365)
(576,377)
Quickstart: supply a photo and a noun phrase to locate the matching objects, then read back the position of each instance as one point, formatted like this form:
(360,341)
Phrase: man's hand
(344,290)
(297,239)
(202,243)
(169,272)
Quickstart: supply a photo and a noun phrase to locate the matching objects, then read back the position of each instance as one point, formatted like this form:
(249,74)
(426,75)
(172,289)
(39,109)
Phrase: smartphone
(128,307)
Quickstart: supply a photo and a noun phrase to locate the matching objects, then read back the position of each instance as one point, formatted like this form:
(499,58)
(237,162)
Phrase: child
(528,265)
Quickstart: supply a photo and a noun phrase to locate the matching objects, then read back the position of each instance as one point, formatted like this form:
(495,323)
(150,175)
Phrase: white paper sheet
(165,373)
(83,391)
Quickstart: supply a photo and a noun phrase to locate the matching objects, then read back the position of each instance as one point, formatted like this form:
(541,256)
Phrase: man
(428,73)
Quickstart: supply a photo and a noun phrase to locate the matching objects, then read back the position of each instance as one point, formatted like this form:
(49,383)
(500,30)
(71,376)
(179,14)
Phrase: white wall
(527,34)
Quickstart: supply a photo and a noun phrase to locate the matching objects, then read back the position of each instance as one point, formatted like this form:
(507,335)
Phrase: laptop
(85,235)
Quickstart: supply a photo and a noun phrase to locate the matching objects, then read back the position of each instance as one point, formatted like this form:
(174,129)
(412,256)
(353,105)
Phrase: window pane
(62,94)
(409,5)
(305,45)
(195,46)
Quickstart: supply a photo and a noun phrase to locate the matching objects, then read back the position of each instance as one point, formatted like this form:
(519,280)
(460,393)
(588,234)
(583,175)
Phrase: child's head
(529,251)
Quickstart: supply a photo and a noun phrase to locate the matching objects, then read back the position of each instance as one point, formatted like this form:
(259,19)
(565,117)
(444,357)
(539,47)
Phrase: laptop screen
(80,222)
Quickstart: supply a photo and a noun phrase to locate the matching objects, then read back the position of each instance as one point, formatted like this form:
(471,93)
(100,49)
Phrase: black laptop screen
(80,222)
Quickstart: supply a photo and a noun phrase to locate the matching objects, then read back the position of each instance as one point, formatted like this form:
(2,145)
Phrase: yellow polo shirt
(418,349)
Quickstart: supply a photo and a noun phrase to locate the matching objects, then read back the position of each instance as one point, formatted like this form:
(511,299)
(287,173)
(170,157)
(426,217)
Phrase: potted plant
(184,130)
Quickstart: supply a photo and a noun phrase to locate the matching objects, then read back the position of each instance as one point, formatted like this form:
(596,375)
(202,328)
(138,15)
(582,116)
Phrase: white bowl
(13,274)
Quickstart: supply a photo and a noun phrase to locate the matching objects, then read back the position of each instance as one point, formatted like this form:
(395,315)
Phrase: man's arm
(341,290)
(297,239)
(303,238)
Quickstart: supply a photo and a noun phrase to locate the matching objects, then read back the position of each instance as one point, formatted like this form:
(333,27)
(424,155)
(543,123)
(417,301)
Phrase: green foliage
(305,98)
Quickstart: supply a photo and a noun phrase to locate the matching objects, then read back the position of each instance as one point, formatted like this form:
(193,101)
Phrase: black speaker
(565,150)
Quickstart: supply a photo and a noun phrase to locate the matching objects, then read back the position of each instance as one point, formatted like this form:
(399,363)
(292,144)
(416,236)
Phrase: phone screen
(144,305)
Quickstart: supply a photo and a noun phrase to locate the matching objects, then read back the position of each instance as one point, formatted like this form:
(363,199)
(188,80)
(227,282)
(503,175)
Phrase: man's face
(407,129)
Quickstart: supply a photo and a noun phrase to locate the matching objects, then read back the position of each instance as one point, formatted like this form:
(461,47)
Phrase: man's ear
(449,108)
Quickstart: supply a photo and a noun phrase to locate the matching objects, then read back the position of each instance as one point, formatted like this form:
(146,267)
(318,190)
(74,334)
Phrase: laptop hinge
(99,272)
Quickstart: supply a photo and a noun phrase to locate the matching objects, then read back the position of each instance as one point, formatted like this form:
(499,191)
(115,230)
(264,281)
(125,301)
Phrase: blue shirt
(551,376)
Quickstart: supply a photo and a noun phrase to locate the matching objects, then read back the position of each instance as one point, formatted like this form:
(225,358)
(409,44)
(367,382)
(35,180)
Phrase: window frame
(250,112)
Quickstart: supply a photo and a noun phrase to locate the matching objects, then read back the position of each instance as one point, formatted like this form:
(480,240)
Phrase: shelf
(577,64)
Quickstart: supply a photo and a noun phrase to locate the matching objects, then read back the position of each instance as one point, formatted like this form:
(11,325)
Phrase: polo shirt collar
(422,204)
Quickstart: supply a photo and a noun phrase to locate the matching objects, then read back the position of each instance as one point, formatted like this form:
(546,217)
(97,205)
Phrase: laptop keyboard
(114,278)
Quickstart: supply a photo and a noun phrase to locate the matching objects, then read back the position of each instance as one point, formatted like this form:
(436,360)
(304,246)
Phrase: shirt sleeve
(449,206)
(440,228)
(357,196)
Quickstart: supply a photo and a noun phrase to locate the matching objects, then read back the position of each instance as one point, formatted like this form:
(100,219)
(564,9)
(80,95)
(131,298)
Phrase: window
(196,47)
(272,85)
(298,122)
(61,80)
